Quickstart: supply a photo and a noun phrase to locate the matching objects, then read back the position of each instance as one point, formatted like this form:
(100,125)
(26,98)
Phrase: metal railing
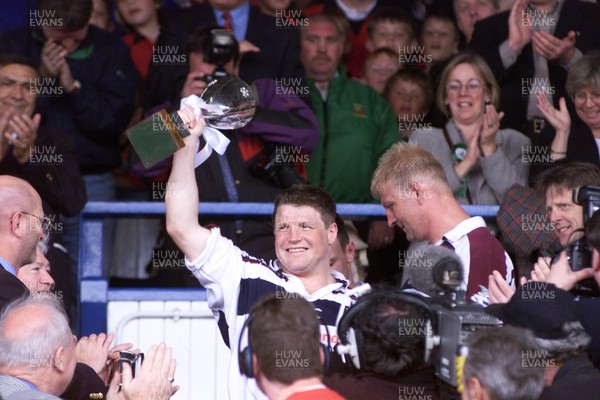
(94,291)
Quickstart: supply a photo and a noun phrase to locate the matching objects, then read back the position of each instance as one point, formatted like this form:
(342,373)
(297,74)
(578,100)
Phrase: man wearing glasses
(20,233)
(22,225)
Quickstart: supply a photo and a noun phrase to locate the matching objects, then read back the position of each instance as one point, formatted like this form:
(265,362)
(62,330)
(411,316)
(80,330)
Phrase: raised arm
(182,193)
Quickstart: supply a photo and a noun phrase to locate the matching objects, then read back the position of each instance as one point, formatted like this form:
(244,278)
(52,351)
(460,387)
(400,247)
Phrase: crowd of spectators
(422,106)
(479,84)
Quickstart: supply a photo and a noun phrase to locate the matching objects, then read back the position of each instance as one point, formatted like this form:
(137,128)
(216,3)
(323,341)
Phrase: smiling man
(304,227)
(412,187)
(36,276)
(557,186)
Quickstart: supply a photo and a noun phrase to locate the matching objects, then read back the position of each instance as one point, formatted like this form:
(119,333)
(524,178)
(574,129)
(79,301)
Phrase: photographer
(282,129)
(563,277)
(391,350)
(556,185)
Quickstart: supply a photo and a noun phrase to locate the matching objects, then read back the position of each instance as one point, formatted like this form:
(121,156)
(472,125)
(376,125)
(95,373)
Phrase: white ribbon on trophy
(215,140)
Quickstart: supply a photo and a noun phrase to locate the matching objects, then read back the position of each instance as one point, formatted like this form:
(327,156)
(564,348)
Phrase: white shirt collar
(353,14)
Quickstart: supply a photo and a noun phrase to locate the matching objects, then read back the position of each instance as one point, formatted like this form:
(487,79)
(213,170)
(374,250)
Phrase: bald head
(27,321)
(36,342)
(20,225)
(17,194)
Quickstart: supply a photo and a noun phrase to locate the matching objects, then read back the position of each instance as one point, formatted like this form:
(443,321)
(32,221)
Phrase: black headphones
(245,355)
(351,340)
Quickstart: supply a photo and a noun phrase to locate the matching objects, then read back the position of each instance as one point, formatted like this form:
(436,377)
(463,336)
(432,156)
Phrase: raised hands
(54,64)
(560,120)
(248,47)
(553,48)
(541,269)
(21,132)
(193,84)
(519,26)
(563,276)
(489,128)
(192,124)
(95,351)
(154,380)
(52,59)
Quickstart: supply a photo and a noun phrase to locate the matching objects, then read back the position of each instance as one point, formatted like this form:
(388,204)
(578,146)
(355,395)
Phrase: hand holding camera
(563,276)
(153,381)
(195,83)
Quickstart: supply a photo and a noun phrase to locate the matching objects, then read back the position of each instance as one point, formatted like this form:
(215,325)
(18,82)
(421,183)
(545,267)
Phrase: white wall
(202,357)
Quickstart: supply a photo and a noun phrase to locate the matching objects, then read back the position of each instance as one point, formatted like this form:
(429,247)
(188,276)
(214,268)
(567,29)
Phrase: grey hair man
(37,357)
(560,339)
(495,367)
(37,349)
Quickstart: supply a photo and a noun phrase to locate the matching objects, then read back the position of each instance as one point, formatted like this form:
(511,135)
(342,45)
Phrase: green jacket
(357,127)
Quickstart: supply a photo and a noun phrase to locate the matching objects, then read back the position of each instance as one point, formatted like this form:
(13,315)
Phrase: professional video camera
(436,272)
(580,251)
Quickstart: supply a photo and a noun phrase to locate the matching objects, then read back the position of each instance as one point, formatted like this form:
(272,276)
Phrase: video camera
(580,251)
(219,50)
(438,273)
(455,321)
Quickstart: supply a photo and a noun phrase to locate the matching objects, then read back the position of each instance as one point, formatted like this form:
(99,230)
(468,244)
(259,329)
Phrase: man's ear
(19,224)
(350,251)
(321,354)
(255,365)
(58,359)
(596,264)
(332,233)
(596,260)
(474,390)
(421,192)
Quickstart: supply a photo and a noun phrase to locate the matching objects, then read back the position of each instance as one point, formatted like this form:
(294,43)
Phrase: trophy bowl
(235,99)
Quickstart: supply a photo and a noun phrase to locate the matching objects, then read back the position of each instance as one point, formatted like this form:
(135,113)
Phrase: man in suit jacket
(530,49)
(20,233)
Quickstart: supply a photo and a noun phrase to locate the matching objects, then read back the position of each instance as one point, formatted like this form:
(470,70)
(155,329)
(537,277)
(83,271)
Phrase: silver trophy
(230,105)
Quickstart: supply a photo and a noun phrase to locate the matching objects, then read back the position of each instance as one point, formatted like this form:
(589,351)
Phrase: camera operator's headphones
(351,340)
(245,355)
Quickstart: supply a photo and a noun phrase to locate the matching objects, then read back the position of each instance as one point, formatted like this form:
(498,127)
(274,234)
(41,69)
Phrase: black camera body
(219,50)
(134,360)
(580,251)
(456,320)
